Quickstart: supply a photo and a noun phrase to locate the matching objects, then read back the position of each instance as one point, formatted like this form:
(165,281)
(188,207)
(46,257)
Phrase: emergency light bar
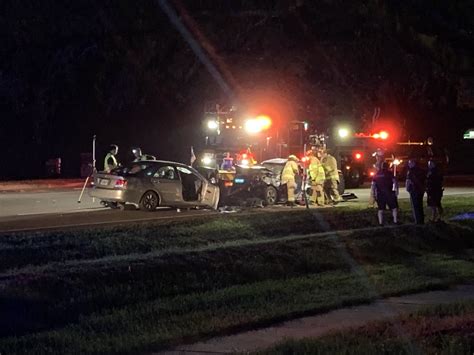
(380,135)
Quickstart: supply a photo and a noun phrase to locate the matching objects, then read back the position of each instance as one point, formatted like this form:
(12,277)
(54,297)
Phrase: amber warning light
(258,124)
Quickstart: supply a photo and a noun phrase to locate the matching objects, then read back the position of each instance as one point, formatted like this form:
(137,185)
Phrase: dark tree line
(121,70)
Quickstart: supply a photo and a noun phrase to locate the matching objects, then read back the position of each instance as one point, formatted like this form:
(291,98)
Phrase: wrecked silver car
(150,184)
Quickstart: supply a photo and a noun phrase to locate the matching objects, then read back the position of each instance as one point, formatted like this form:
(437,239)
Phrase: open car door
(210,194)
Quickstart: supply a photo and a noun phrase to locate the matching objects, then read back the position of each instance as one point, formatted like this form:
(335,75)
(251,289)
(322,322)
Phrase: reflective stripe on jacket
(110,162)
(316,171)
(330,167)
(289,171)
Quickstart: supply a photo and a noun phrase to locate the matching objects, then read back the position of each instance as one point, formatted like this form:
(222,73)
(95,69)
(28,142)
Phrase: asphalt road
(60,209)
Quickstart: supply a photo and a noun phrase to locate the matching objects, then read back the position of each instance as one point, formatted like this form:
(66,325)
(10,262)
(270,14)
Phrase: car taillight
(358,156)
(121,183)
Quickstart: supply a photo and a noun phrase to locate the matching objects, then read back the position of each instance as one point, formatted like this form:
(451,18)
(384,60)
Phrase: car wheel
(271,196)
(149,201)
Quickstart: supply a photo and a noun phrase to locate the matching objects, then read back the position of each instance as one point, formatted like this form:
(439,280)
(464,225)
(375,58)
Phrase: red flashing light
(244,156)
(381,135)
(358,156)
(304,159)
(372,173)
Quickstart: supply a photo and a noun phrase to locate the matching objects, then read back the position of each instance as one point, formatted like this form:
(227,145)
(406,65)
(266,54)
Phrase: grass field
(145,287)
(446,329)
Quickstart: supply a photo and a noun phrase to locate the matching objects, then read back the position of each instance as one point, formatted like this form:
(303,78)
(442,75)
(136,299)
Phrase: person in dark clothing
(385,191)
(415,186)
(434,191)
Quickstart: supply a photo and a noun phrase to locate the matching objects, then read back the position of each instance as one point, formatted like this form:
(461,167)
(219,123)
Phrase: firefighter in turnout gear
(110,161)
(332,178)
(317,177)
(288,177)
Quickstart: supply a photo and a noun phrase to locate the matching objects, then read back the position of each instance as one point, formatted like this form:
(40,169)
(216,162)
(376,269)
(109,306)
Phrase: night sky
(134,75)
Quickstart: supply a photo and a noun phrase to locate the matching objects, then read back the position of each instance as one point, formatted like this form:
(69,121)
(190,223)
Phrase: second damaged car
(155,183)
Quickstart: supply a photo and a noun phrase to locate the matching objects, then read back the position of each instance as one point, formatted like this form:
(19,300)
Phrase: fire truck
(358,154)
(237,145)
(399,153)
(233,141)
(231,136)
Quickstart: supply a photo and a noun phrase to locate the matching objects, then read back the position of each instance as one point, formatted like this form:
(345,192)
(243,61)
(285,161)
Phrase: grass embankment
(444,329)
(129,289)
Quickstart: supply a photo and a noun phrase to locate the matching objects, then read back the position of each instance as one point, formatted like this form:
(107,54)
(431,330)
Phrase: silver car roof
(168,162)
(275,161)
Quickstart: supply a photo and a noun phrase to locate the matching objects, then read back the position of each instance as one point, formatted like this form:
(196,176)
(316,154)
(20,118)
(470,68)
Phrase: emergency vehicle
(235,144)
(358,154)
(232,140)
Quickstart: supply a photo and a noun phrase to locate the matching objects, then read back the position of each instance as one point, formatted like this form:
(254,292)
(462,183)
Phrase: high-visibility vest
(108,166)
(316,171)
(289,171)
(330,167)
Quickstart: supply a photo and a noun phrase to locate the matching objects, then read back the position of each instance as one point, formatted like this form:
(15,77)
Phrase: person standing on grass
(434,191)
(385,190)
(415,186)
